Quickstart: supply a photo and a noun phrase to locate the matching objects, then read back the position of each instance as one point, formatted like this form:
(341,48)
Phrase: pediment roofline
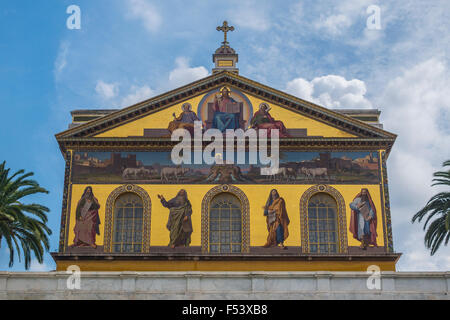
(202,86)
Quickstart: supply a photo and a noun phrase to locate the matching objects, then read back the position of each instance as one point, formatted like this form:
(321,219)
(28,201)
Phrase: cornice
(155,144)
(199,87)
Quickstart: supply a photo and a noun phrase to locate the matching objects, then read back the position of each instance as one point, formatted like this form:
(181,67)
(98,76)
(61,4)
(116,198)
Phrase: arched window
(127,223)
(323,224)
(127,220)
(225,220)
(225,224)
(323,221)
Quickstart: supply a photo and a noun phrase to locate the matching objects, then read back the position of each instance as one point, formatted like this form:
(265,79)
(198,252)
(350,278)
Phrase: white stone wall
(225,285)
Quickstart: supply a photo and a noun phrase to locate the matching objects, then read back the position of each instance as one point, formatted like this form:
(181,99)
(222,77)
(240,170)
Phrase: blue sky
(322,51)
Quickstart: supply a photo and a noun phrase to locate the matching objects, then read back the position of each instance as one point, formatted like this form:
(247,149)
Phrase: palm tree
(439,206)
(22,226)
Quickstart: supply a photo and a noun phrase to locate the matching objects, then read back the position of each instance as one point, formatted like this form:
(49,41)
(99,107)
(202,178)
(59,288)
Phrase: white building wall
(226,285)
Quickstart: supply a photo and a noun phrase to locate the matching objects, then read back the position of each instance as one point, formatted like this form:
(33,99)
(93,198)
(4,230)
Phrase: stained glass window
(128,224)
(322,224)
(225,224)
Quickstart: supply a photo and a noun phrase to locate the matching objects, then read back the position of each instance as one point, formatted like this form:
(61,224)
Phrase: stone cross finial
(225,28)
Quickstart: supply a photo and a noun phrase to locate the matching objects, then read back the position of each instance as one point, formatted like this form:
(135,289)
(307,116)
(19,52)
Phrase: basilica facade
(127,206)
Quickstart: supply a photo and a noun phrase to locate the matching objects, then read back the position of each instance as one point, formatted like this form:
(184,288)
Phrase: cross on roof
(225,28)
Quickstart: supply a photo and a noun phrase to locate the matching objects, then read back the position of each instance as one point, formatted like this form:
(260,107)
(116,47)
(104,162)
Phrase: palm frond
(22,226)
(437,208)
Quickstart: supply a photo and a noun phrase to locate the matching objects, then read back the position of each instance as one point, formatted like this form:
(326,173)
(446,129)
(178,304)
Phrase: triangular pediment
(152,118)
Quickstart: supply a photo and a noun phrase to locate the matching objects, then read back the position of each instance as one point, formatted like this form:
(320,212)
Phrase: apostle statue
(226,113)
(363,221)
(263,120)
(87,220)
(185,120)
(179,223)
(277,220)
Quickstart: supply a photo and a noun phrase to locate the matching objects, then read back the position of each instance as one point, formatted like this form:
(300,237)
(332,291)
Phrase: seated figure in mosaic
(185,120)
(263,120)
(223,119)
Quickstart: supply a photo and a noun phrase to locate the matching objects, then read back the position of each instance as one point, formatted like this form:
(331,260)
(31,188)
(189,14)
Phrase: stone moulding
(387,207)
(141,143)
(67,195)
(225,285)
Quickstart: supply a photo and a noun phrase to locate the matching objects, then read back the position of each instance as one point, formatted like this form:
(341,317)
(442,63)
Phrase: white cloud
(415,104)
(334,24)
(296,12)
(416,257)
(107,90)
(301,88)
(344,20)
(420,97)
(35,266)
(146,12)
(250,14)
(331,91)
(183,74)
(61,59)
(138,94)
